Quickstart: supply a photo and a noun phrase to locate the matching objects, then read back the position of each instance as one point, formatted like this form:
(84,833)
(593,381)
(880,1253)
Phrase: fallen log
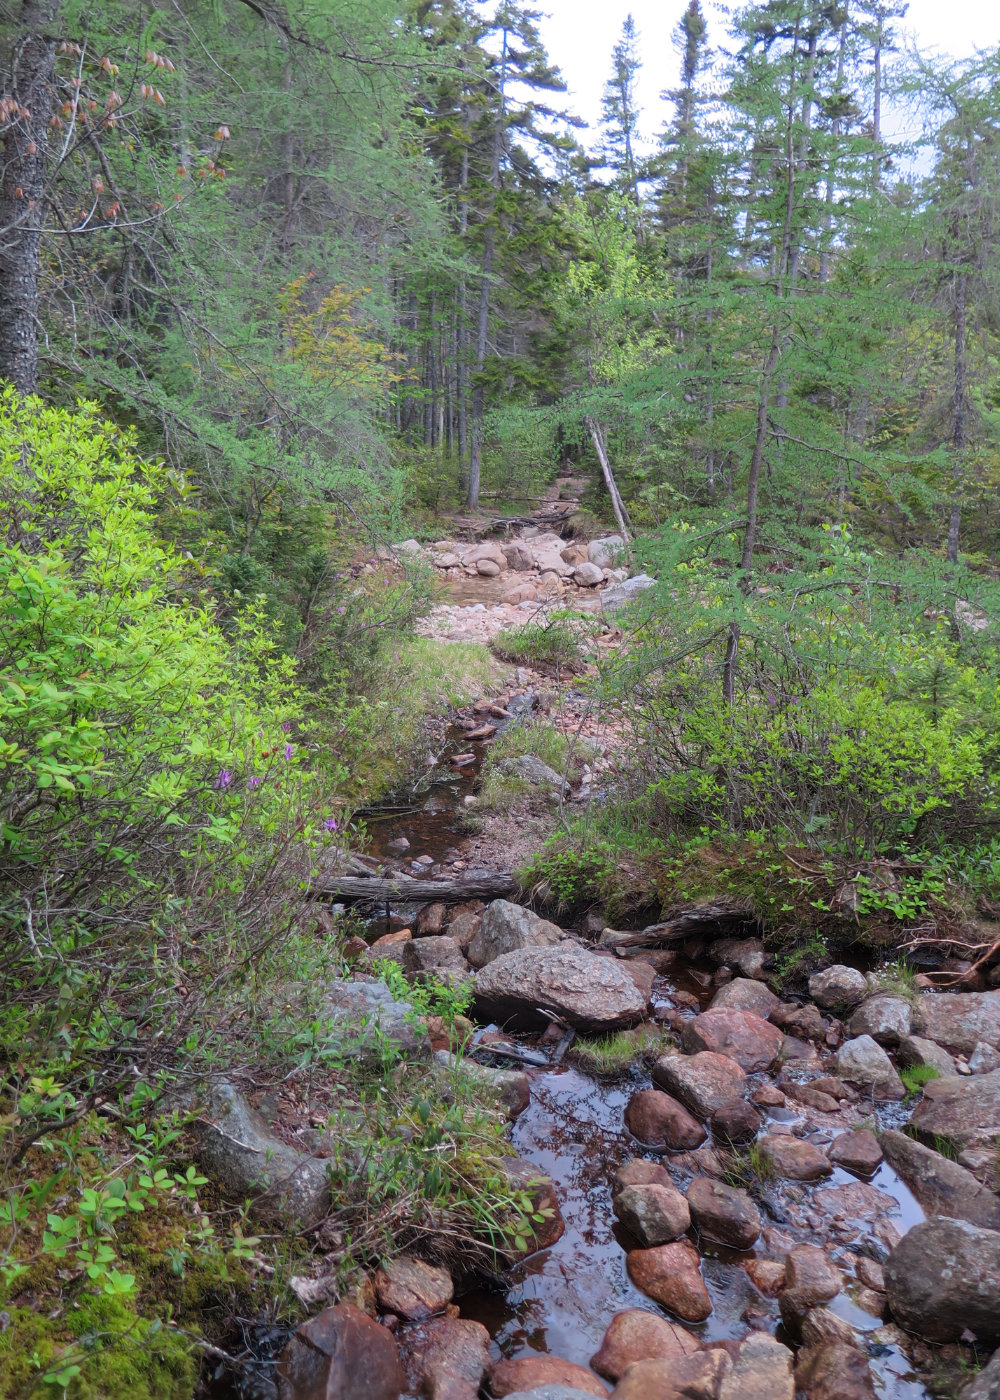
(472,884)
(714,920)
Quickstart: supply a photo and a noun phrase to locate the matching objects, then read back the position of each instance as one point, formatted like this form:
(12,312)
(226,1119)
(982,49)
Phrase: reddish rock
(752,1042)
(810,1279)
(527,1372)
(412,1289)
(636,1335)
(804,1021)
(464,928)
(446,1359)
(638,1172)
(836,1088)
(695,1377)
(762,1370)
(704,1081)
(390,940)
(431,918)
(858,1151)
(811,1097)
(736,1122)
(833,1371)
(768,1096)
(791,1157)
(654,1214)
(723,1213)
(858,1200)
(340,1354)
(746,994)
(671,1276)
(659,1121)
(766,1275)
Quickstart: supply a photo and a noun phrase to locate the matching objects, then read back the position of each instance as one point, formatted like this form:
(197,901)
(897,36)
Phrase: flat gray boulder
(940,1185)
(618,597)
(965,1112)
(531,768)
(863,1063)
(363,1016)
(605,551)
(959,1020)
(586,991)
(505,928)
(838,987)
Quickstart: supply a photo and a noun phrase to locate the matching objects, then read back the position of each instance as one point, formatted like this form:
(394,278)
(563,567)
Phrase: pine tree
(620,116)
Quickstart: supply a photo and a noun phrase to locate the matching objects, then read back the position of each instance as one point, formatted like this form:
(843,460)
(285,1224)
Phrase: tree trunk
(617,504)
(959,437)
(473,884)
(28,81)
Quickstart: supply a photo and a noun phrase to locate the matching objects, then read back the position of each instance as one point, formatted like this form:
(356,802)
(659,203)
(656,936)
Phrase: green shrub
(551,645)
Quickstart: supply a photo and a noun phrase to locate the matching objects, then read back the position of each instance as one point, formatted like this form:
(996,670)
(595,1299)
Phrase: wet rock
(744,994)
(506,927)
(526,1372)
(238,1152)
(864,1063)
(766,1275)
(703,1081)
(833,1371)
(857,1151)
(736,1122)
(884,1017)
(804,1021)
(746,955)
(762,1370)
(812,1097)
(431,918)
(723,1213)
(752,1042)
(941,1186)
(959,1020)
(412,1289)
(792,1158)
(915,1050)
(638,1172)
(340,1354)
(965,1112)
(585,990)
(641,973)
(858,1200)
(636,1335)
(984,1058)
(768,1096)
(436,956)
(446,1359)
(836,1088)
(551,1392)
(604,551)
(810,1279)
(671,1276)
(620,595)
(525,1176)
(659,1121)
(871,1273)
(696,1377)
(363,1017)
(654,1214)
(837,987)
(943,1278)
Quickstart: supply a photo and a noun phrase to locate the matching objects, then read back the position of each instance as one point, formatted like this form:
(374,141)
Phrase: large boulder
(696,1377)
(746,994)
(723,1213)
(586,991)
(753,1043)
(884,1017)
(660,1122)
(762,1370)
(412,1289)
(587,575)
(965,1112)
(793,1158)
(604,552)
(531,768)
(637,1335)
(810,1279)
(238,1152)
(654,1214)
(838,987)
(704,1081)
(618,597)
(986,1385)
(917,1050)
(363,1017)
(523,1373)
(437,958)
(340,1354)
(943,1279)
(446,1358)
(959,1020)
(941,1186)
(505,927)
(863,1063)
(670,1274)
(833,1370)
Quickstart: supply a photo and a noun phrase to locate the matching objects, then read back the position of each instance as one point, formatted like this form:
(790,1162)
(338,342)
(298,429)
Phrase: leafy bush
(553,644)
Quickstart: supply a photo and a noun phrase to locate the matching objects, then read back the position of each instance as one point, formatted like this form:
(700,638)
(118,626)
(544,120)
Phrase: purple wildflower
(254,781)
(224,778)
(330,824)
(340,610)
(288,750)
(286,725)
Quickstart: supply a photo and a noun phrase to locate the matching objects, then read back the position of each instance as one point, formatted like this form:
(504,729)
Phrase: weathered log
(472,884)
(718,920)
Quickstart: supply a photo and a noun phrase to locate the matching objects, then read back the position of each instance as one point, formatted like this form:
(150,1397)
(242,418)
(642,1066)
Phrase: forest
(606,517)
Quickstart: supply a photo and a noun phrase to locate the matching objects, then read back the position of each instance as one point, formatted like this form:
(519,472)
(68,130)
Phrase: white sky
(580,34)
